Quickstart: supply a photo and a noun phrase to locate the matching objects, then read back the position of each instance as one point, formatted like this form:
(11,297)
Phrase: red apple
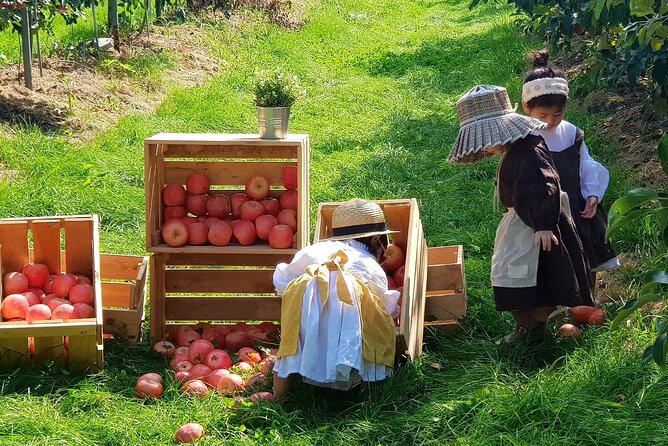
(198,183)
(210,221)
(214,377)
(271,206)
(199,371)
(256,379)
(257,187)
(63,283)
(196,204)
(597,317)
(236,201)
(182,376)
(83,279)
(148,387)
(183,366)
(36,273)
(288,217)
(65,312)
(263,225)
(218,206)
(247,354)
(178,359)
(37,292)
(195,387)
(198,234)
(218,359)
(31,298)
(230,383)
(82,293)
(213,335)
(261,396)
(268,327)
(189,433)
(175,212)
(174,195)
(174,233)
(280,237)
(235,341)
(165,348)
(15,283)
(38,312)
(398,276)
(55,302)
(288,199)
(244,231)
(391,284)
(15,306)
(198,350)
(186,338)
(220,234)
(394,258)
(48,287)
(187,220)
(251,210)
(289,176)
(84,310)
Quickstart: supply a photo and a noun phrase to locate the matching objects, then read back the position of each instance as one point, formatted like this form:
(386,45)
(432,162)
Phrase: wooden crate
(229,160)
(222,288)
(123,282)
(47,240)
(446,287)
(402,215)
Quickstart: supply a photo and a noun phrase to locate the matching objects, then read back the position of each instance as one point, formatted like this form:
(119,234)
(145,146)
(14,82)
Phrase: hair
(367,241)
(540,69)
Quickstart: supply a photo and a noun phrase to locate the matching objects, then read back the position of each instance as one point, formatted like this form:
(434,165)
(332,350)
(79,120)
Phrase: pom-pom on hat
(487,119)
(358,218)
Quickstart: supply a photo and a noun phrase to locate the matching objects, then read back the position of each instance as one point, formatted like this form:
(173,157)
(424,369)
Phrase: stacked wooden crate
(445,303)
(211,283)
(63,244)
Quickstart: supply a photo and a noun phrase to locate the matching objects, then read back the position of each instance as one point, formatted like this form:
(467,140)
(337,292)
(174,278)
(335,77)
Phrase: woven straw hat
(486,119)
(358,218)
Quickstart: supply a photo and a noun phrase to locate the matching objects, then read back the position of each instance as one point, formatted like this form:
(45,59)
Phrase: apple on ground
(244,232)
(198,183)
(220,234)
(174,233)
(148,387)
(15,283)
(165,348)
(271,206)
(257,187)
(174,195)
(288,199)
(251,210)
(195,387)
(261,396)
(36,273)
(236,340)
(186,338)
(198,350)
(263,225)
(214,377)
(249,355)
(288,217)
(218,359)
(196,204)
(199,371)
(218,206)
(236,201)
(289,176)
(189,433)
(280,237)
(198,234)
(230,383)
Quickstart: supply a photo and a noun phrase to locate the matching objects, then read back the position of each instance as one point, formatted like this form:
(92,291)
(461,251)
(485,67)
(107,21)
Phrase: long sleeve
(594,178)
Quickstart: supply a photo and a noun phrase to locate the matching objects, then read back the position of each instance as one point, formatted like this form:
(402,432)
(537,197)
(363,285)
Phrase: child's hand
(545,239)
(590,208)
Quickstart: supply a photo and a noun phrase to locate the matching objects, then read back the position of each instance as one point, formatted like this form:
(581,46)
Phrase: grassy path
(382,80)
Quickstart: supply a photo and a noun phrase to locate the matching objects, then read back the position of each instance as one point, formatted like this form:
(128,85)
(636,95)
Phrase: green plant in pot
(275,92)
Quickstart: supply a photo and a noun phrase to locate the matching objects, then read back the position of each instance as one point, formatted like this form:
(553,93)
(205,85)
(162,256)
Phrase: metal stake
(27,51)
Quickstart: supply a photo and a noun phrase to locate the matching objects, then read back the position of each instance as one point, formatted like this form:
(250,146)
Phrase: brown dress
(591,231)
(529,183)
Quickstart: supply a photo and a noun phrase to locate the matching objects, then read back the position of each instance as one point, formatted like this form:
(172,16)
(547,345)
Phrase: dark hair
(540,70)
(366,241)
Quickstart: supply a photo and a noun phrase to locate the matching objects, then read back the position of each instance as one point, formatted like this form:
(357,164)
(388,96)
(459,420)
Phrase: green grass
(382,81)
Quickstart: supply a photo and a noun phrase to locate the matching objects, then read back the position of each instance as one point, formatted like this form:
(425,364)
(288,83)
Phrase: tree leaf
(632,306)
(660,277)
(659,350)
(616,222)
(647,355)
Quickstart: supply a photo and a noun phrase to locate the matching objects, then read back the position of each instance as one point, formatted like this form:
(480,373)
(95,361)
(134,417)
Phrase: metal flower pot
(273,122)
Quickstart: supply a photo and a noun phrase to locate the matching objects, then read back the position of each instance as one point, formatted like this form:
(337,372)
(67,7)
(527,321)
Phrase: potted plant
(275,92)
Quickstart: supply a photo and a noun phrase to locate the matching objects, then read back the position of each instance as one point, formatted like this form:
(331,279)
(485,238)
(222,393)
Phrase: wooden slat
(120,267)
(229,173)
(236,250)
(219,281)
(83,353)
(139,293)
(14,351)
(445,306)
(223,308)
(398,218)
(447,326)
(126,324)
(223,139)
(231,151)
(272,259)
(46,243)
(14,242)
(446,269)
(117,294)
(157,301)
(303,210)
(153,184)
(54,328)
(50,348)
(79,246)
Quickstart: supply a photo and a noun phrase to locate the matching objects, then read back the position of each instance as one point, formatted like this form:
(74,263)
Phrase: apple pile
(215,358)
(194,216)
(34,294)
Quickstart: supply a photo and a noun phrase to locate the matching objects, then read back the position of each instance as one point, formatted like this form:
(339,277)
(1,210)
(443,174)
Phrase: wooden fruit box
(64,244)
(446,288)
(402,215)
(229,160)
(123,294)
(220,288)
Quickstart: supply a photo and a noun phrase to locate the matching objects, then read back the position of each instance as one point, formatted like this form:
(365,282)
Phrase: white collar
(358,245)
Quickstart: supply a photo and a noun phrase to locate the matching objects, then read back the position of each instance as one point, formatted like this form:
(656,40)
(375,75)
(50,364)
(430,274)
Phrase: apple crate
(445,301)
(229,160)
(220,288)
(123,283)
(402,215)
(64,244)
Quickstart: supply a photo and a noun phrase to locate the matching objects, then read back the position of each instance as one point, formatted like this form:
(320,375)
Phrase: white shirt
(594,178)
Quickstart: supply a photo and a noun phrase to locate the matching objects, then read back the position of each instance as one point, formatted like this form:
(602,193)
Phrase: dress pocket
(518,271)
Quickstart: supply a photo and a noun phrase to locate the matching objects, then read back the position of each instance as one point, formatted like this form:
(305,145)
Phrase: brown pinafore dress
(591,231)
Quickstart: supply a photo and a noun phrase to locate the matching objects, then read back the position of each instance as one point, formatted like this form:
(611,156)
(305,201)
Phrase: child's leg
(540,316)
(282,385)
(525,323)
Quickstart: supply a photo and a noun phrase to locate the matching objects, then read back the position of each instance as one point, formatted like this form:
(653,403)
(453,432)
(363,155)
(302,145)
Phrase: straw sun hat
(486,119)
(358,218)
